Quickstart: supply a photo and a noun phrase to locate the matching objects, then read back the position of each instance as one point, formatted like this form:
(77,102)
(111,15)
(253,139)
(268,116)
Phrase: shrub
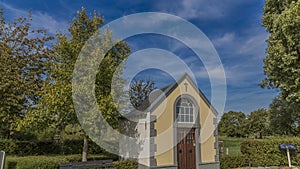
(233,161)
(25,148)
(46,147)
(267,153)
(46,162)
(33,162)
(72,146)
(126,164)
(18,147)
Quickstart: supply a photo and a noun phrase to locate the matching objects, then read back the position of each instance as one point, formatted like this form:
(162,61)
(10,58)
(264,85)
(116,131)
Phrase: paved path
(270,168)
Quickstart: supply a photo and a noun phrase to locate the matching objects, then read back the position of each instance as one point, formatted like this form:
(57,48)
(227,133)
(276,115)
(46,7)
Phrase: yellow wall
(164,127)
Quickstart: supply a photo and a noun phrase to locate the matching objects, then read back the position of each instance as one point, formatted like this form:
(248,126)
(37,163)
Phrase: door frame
(184,148)
(195,125)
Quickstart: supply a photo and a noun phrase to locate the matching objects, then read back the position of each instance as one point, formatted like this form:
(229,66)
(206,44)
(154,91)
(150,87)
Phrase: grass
(233,144)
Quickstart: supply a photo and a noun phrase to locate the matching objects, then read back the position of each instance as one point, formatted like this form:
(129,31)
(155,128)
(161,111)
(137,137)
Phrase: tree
(231,124)
(257,123)
(23,56)
(284,117)
(56,105)
(139,92)
(282,64)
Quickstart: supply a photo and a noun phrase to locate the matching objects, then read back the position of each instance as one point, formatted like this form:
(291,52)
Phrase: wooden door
(186,146)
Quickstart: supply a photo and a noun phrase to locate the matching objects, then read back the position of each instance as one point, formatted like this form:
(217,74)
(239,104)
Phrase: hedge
(47,162)
(25,148)
(126,164)
(267,153)
(233,161)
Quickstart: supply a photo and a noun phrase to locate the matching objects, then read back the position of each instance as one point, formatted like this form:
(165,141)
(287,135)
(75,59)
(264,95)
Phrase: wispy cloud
(255,45)
(200,9)
(40,20)
(250,44)
(227,38)
(249,100)
(243,54)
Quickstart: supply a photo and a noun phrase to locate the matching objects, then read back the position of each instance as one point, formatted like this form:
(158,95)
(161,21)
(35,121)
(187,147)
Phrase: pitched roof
(158,97)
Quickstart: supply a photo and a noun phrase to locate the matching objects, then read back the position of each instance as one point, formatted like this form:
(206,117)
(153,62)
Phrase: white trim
(184,111)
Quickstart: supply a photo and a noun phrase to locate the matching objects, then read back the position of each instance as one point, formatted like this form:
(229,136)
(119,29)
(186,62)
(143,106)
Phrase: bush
(126,164)
(233,161)
(18,147)
(25,148)
(33,162)
(267,153)
(46,162)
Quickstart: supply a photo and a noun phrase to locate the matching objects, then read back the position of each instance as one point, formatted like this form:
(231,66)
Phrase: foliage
(262,152)
(233,144)
(126,164)
(233,161)
(282,64)
(47,162)
(23,60)
(267,153)
(24,148)
(139,92)
(231,124)
(284,117)
(56,106)
(257,123)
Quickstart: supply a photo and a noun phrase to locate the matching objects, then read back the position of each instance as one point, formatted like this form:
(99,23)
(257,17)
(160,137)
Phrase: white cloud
(200,9)
(227,38)
(252,44)
(255,45)
(249,100)
(215,73)
(40,20)
(155,58)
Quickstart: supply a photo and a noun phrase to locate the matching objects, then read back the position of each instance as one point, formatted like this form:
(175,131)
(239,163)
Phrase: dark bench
(107,164)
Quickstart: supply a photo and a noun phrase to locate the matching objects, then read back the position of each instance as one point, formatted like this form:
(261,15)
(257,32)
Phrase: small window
(185,110)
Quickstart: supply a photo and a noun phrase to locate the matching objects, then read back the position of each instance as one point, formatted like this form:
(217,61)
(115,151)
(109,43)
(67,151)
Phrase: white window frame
(190,107)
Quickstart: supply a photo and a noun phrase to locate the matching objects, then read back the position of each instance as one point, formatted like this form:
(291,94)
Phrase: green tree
(257,123)
(284,117)
(282,64)
(231,124)
(56,105)
(139,93)
(23,59)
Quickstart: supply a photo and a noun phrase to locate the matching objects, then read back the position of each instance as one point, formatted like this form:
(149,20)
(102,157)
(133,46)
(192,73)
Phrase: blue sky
(233,26)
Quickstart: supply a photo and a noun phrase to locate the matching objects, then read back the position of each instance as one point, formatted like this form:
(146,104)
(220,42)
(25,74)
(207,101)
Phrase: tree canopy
(257,123)
(284,117)
(139,92)
(282,64)
(24,56)
(56,106)
(231,124)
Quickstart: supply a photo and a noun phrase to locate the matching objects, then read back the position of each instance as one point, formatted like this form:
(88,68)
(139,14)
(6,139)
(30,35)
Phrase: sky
(233,27)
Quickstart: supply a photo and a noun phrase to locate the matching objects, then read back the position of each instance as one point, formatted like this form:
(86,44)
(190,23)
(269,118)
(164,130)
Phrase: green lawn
(233,144)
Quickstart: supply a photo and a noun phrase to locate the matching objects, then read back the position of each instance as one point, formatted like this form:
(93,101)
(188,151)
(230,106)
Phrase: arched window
(185,110)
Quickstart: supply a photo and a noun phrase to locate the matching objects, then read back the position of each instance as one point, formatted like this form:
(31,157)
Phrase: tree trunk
(85,149)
